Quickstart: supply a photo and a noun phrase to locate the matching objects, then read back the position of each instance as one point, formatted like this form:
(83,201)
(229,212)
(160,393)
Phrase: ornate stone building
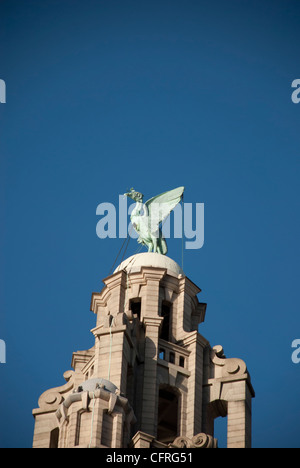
(151,379)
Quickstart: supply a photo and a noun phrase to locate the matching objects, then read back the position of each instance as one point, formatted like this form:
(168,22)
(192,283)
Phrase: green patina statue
(147,217)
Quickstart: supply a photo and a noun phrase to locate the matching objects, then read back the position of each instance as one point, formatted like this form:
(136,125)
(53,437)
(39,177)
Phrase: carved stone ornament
(198,441)
(51,399)
(230,366)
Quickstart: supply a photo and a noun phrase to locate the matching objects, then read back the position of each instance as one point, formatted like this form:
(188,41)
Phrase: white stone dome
(135,262)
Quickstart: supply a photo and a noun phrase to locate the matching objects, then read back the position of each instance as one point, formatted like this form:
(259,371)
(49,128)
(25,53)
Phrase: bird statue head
(136,196)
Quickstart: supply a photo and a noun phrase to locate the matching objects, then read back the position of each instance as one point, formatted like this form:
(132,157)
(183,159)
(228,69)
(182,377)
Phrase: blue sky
(107,95)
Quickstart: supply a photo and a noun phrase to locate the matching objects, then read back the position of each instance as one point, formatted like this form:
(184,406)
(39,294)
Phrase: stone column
(96,408)
(142,440)
(150,393)
(117,435)
(231,392)
(239,424)
(113,354)
(195,343)
(116,285)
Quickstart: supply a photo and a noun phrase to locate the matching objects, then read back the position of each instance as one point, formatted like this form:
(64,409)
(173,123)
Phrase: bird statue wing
(160,206)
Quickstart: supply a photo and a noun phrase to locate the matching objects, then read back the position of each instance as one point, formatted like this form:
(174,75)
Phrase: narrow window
(165,329)
(107,429)
(172,358)
(181,361)
(168,404)
(162,354)
(54,436)
(135,307)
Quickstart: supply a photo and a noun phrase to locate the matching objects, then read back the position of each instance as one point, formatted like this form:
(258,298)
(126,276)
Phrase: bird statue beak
(129,193)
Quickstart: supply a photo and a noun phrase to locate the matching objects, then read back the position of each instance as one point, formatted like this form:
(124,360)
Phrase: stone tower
(151,379)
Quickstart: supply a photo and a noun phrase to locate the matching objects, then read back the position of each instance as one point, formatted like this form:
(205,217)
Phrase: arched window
(54,436)
(167,418)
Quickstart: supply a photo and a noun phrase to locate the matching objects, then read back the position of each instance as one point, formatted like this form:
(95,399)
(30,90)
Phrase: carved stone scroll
(52,398)
(229,366)
(198,441)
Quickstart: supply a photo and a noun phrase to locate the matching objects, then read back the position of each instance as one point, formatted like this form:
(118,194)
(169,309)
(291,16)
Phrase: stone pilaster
(150,388)
(195,343)
(113,353)
(239,423)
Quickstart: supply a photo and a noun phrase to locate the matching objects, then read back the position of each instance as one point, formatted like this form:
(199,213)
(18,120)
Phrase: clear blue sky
(105,95)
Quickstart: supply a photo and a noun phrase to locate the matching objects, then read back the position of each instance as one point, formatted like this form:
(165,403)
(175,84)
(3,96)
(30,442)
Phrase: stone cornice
(231,378)
(174,347)
(100,331)
(115,280)
(152,321)
(185,284)
(194,337)
(153,273)
(82,357)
